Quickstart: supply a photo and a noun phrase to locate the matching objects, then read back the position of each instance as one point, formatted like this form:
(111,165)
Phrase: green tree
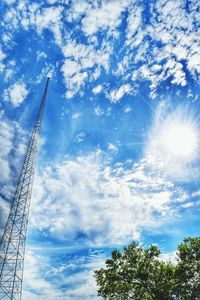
(139,274)
(188,269)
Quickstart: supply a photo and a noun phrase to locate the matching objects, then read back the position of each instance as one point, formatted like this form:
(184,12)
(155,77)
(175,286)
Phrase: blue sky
(119,154)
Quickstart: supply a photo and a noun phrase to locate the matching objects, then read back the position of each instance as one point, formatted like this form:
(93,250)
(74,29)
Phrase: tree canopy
(139,274)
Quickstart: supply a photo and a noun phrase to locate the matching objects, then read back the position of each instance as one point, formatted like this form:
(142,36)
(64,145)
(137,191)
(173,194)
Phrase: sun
(173,144)
(180,139)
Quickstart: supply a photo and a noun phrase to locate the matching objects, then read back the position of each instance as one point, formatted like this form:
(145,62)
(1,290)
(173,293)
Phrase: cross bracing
(12,245)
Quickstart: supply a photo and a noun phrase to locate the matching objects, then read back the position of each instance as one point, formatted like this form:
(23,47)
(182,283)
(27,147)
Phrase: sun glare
(174,142)
(180,140)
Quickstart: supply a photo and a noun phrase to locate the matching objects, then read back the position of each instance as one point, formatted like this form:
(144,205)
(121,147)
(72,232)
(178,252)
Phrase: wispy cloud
(59,277)
(91,196)
(100,55)
(99,17)
(12,140)
(116,94)
(163,47)
(2,57)
(16,93)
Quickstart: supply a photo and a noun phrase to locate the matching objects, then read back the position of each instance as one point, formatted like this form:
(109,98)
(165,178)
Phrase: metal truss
(12,245)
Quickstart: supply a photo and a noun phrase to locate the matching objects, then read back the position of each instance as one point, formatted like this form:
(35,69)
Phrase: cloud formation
(91,196)
(116,94)
(16,93)
(100,55)
(63,277)
(12,146)
(117,37)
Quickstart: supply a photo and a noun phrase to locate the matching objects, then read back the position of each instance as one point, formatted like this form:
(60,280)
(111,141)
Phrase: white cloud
(127,109)
(174,28)
(63,277)
(27,15)
(77,10)
(116,94)
(165,48)
(86,55)
(105,193)
(12,139)
(9,70)
(134,21)
(16,93)
(112,147)
(70,68)
(76,115)
(36,286)
(194,63)
(80,137)
(171,256)
(75,83)
(6,137)
(99,111)
(176,31)
(191,204)
(196,193)
(106,16)
(9,2)
(2,57)
(97,89)
(4,211)
(41,55)
(50,18)
(78,64)
(122,67)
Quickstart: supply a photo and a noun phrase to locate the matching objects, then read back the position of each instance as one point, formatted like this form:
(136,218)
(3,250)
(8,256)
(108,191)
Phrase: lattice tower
(12,245)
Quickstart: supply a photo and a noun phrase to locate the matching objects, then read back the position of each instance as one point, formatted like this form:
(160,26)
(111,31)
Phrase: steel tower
(12,246)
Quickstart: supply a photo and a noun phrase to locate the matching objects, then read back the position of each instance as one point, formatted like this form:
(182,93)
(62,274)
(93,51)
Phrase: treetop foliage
(139,274)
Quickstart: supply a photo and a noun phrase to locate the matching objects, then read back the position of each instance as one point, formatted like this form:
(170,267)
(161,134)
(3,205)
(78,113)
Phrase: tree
(139,274)
(188,269)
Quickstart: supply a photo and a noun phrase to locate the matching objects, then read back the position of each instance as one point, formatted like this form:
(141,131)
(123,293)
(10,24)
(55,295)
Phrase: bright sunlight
(180,140)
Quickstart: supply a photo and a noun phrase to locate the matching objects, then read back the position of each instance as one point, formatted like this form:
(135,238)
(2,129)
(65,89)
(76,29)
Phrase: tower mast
(12,245)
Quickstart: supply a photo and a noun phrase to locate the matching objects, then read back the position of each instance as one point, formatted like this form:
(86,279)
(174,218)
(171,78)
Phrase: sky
(119,153)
